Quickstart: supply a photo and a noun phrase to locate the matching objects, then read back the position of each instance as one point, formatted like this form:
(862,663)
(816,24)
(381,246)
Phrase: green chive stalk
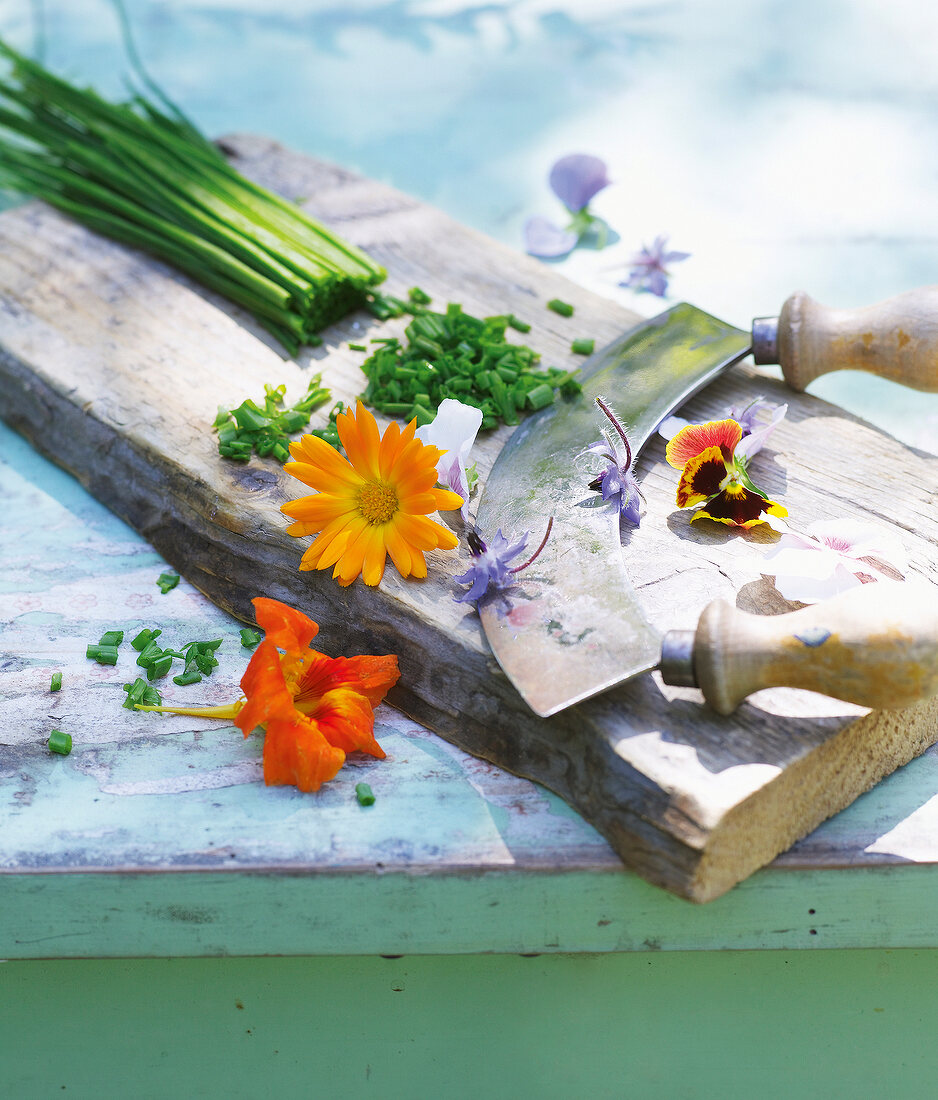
(134,173)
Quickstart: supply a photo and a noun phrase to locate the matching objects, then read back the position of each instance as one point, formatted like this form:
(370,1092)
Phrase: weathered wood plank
(114,366)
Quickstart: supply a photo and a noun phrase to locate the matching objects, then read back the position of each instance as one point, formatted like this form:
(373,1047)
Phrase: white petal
(453,429)
(671,425)
(791,561)
(810,590)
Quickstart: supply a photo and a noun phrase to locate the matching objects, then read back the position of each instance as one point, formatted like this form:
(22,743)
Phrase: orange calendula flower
(715,476)
(314,708)
(371,505)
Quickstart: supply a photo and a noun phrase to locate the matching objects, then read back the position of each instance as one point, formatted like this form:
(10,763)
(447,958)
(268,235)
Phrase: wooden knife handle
(875,645)
(896,339)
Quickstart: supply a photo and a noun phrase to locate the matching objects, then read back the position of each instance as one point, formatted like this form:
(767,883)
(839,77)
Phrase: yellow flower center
(378,502)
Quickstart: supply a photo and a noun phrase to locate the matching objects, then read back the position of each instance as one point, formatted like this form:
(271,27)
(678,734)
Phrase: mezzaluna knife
(581,630)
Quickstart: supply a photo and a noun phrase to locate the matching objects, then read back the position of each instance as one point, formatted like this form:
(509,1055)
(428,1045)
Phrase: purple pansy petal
(575,179)
(759,433)
(543,238)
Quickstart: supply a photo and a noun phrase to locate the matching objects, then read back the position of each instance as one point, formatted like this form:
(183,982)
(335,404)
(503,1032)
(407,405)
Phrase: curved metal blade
(573,625)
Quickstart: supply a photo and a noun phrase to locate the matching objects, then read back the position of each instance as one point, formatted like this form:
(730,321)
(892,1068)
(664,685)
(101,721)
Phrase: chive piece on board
(249,637)
(563,308)
(167,581)
(60,742)
(358,347)
(517,324)
(583,347)
(56,684)
(364,794)
(111,637)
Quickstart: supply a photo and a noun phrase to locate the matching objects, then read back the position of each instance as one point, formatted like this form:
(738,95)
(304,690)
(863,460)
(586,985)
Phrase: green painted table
(467,935)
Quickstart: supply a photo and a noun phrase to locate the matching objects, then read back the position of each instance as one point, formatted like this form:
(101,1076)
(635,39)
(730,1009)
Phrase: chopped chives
(144,638)
(167,581)
(60,742)
(249,638)
(453,354)
(103,654)
(583,346)
(190,677)
(419,297)
(56,684)
(111,637)
(265,430)
(158,669)
(357,347)
(517,324)
(364,794)
(558,306)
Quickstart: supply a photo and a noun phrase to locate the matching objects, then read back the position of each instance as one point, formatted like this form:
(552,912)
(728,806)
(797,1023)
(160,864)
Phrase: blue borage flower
(575,180)
(491,570)
(617,482)
(648,268)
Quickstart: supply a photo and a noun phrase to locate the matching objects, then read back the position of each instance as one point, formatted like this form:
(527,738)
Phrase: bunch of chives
(151,180)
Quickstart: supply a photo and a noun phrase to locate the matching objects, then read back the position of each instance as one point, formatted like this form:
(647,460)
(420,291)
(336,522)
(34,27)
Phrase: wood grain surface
(113,365)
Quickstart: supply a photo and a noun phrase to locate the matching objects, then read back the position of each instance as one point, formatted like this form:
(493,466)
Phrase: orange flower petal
(424,534)
(696,438)
(401,553)
(359,434)
(313,451)
(346,720)
(296,753)
(318,510)
(330,545)
(313,475)
(702,477)
(375,556)
(286,627)
(389,448)
(267,694)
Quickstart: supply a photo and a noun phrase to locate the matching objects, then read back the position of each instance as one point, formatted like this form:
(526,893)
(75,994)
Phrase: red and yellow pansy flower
(714,477)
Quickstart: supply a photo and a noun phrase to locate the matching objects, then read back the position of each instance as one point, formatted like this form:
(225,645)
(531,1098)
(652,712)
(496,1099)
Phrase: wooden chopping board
(113,365)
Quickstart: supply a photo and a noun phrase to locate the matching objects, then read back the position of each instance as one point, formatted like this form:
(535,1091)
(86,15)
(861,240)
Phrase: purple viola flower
(616,482)
(648,268)
(491,570)
(576,179)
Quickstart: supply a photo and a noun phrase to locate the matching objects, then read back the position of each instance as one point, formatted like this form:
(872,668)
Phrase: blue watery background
(786,144)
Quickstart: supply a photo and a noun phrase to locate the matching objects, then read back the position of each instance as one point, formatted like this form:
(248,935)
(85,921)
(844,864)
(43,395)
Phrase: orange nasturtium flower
(712,474)
(314,708)
(371,505)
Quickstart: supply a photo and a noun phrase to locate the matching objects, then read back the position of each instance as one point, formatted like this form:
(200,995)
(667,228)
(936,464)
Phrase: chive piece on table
(583,347)
(357,347)
(56,684)
(249,638)
(111,637)
(558,306)
(60,742)
(103,654)
(364,794)
(190,677)
(167,581)
(517,324)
